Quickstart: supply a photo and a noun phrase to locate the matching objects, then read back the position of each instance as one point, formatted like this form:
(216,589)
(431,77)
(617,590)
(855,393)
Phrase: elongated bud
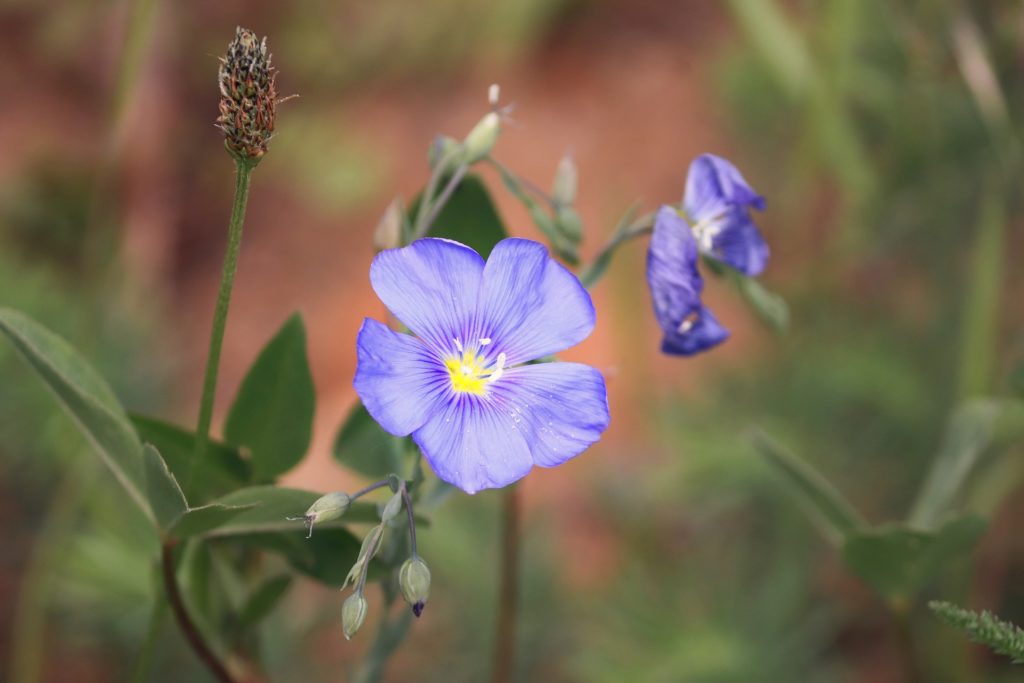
(563,190)
(568,224)
(392,508)
(353,614)
(481,139)
(445,149)
(325,509)
(414,579)
(388,234)
(247,97)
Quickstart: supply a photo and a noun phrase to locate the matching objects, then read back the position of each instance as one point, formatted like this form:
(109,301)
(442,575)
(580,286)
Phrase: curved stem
(243,173)
(508,599)
(412,520)
(626,231)
(185,623)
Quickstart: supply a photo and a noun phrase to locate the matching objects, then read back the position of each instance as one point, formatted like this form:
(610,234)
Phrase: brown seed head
(247,97)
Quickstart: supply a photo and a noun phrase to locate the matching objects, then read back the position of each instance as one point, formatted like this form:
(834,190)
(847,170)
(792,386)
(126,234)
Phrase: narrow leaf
(326,556)
(221,471)
(968,434)
(204,520)
(836,517)
(365,447)
(162,490)
(86,397)
(273,413)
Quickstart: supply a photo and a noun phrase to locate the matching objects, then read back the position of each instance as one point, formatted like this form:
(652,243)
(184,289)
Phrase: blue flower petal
(430,286)
(561,408)
(398,378)
(676,285)
(718,200)
(473,444)
(530,305)
(701,332)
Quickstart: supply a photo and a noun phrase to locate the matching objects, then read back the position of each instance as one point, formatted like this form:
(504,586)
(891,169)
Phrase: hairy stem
(508,598)
(243,173)
(188,628)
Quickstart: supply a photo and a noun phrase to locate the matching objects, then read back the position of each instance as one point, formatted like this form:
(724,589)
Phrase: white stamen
(499,368)
(485,341)
(458,344)
(493,93)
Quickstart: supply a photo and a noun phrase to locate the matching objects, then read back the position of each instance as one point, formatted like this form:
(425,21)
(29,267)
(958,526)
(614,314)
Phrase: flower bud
(327,508)
(563,190)
(444,149)
(481,139)
(414,579)
(353,614)
(392,508)
(568,223)
(247,97)
(388,234)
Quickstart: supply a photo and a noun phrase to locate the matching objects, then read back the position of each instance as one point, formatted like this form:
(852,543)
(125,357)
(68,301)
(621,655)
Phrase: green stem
(390,635)
(144,664)
(626,231)
(422,228)
(243,173)
(508,598)
(905,636)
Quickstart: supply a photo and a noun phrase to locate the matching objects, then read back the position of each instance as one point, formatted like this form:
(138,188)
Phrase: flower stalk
(508,597)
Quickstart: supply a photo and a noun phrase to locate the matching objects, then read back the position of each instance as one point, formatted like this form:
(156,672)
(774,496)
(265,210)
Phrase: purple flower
(676,285)
(717,201)
(461,386)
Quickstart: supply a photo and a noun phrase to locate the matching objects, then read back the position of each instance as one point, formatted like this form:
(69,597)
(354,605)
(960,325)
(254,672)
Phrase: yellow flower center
(469,372)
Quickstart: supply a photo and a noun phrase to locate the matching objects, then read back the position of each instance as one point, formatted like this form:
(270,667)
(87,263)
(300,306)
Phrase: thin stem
(372,487)
(625,232)
(185,623)
(412,519)
(428,192)
(243,173)
(905,636)
(508,599)
(525,182)
(423,228)
(144,664)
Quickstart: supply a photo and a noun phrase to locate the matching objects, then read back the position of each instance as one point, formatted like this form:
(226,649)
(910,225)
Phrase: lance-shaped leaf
(898,561)
(272,415)
(365,447)
(829,509)
(221,471)
(89,401)
(162,490)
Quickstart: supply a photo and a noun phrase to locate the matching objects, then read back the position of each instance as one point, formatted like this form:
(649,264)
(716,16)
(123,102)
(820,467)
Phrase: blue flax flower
(716,202)
(461,385)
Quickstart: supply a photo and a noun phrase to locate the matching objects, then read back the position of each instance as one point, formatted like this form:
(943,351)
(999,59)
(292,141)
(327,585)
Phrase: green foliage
(264,599)
(365,447)
(837,518)
(221,471)
(985,629)
(898,561)
(272,414)
(469,217)
(87,398)
(162,491)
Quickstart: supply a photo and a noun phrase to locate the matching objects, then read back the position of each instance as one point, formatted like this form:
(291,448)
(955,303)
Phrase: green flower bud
(481,139)
(445,149)
(353,614)
(248,98)
(393,507)
(563,191)
(388,234)
(569,224)
(326,508)
(414,579)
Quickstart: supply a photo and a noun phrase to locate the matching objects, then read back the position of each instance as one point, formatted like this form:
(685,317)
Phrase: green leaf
(769,307)
(264,599)
(273,412)
(87,398)
(266,509)
(326,556)
(836,517)
(221,471)
(162,490)
(898,561)
(469,217)
(365,447)
(548,226)
(968,434)
(203,520)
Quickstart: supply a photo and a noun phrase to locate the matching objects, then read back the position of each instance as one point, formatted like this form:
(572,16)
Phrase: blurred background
(884,135)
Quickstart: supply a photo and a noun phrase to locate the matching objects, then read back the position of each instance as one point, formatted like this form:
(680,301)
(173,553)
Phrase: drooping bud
(563,190)
(247,97)
(414,579)
(392,508)
(353,614)
(388,234)
(326,508)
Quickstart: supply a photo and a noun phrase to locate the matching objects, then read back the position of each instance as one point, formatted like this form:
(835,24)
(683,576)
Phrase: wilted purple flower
(461,386)
(717,202)
(676,286)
